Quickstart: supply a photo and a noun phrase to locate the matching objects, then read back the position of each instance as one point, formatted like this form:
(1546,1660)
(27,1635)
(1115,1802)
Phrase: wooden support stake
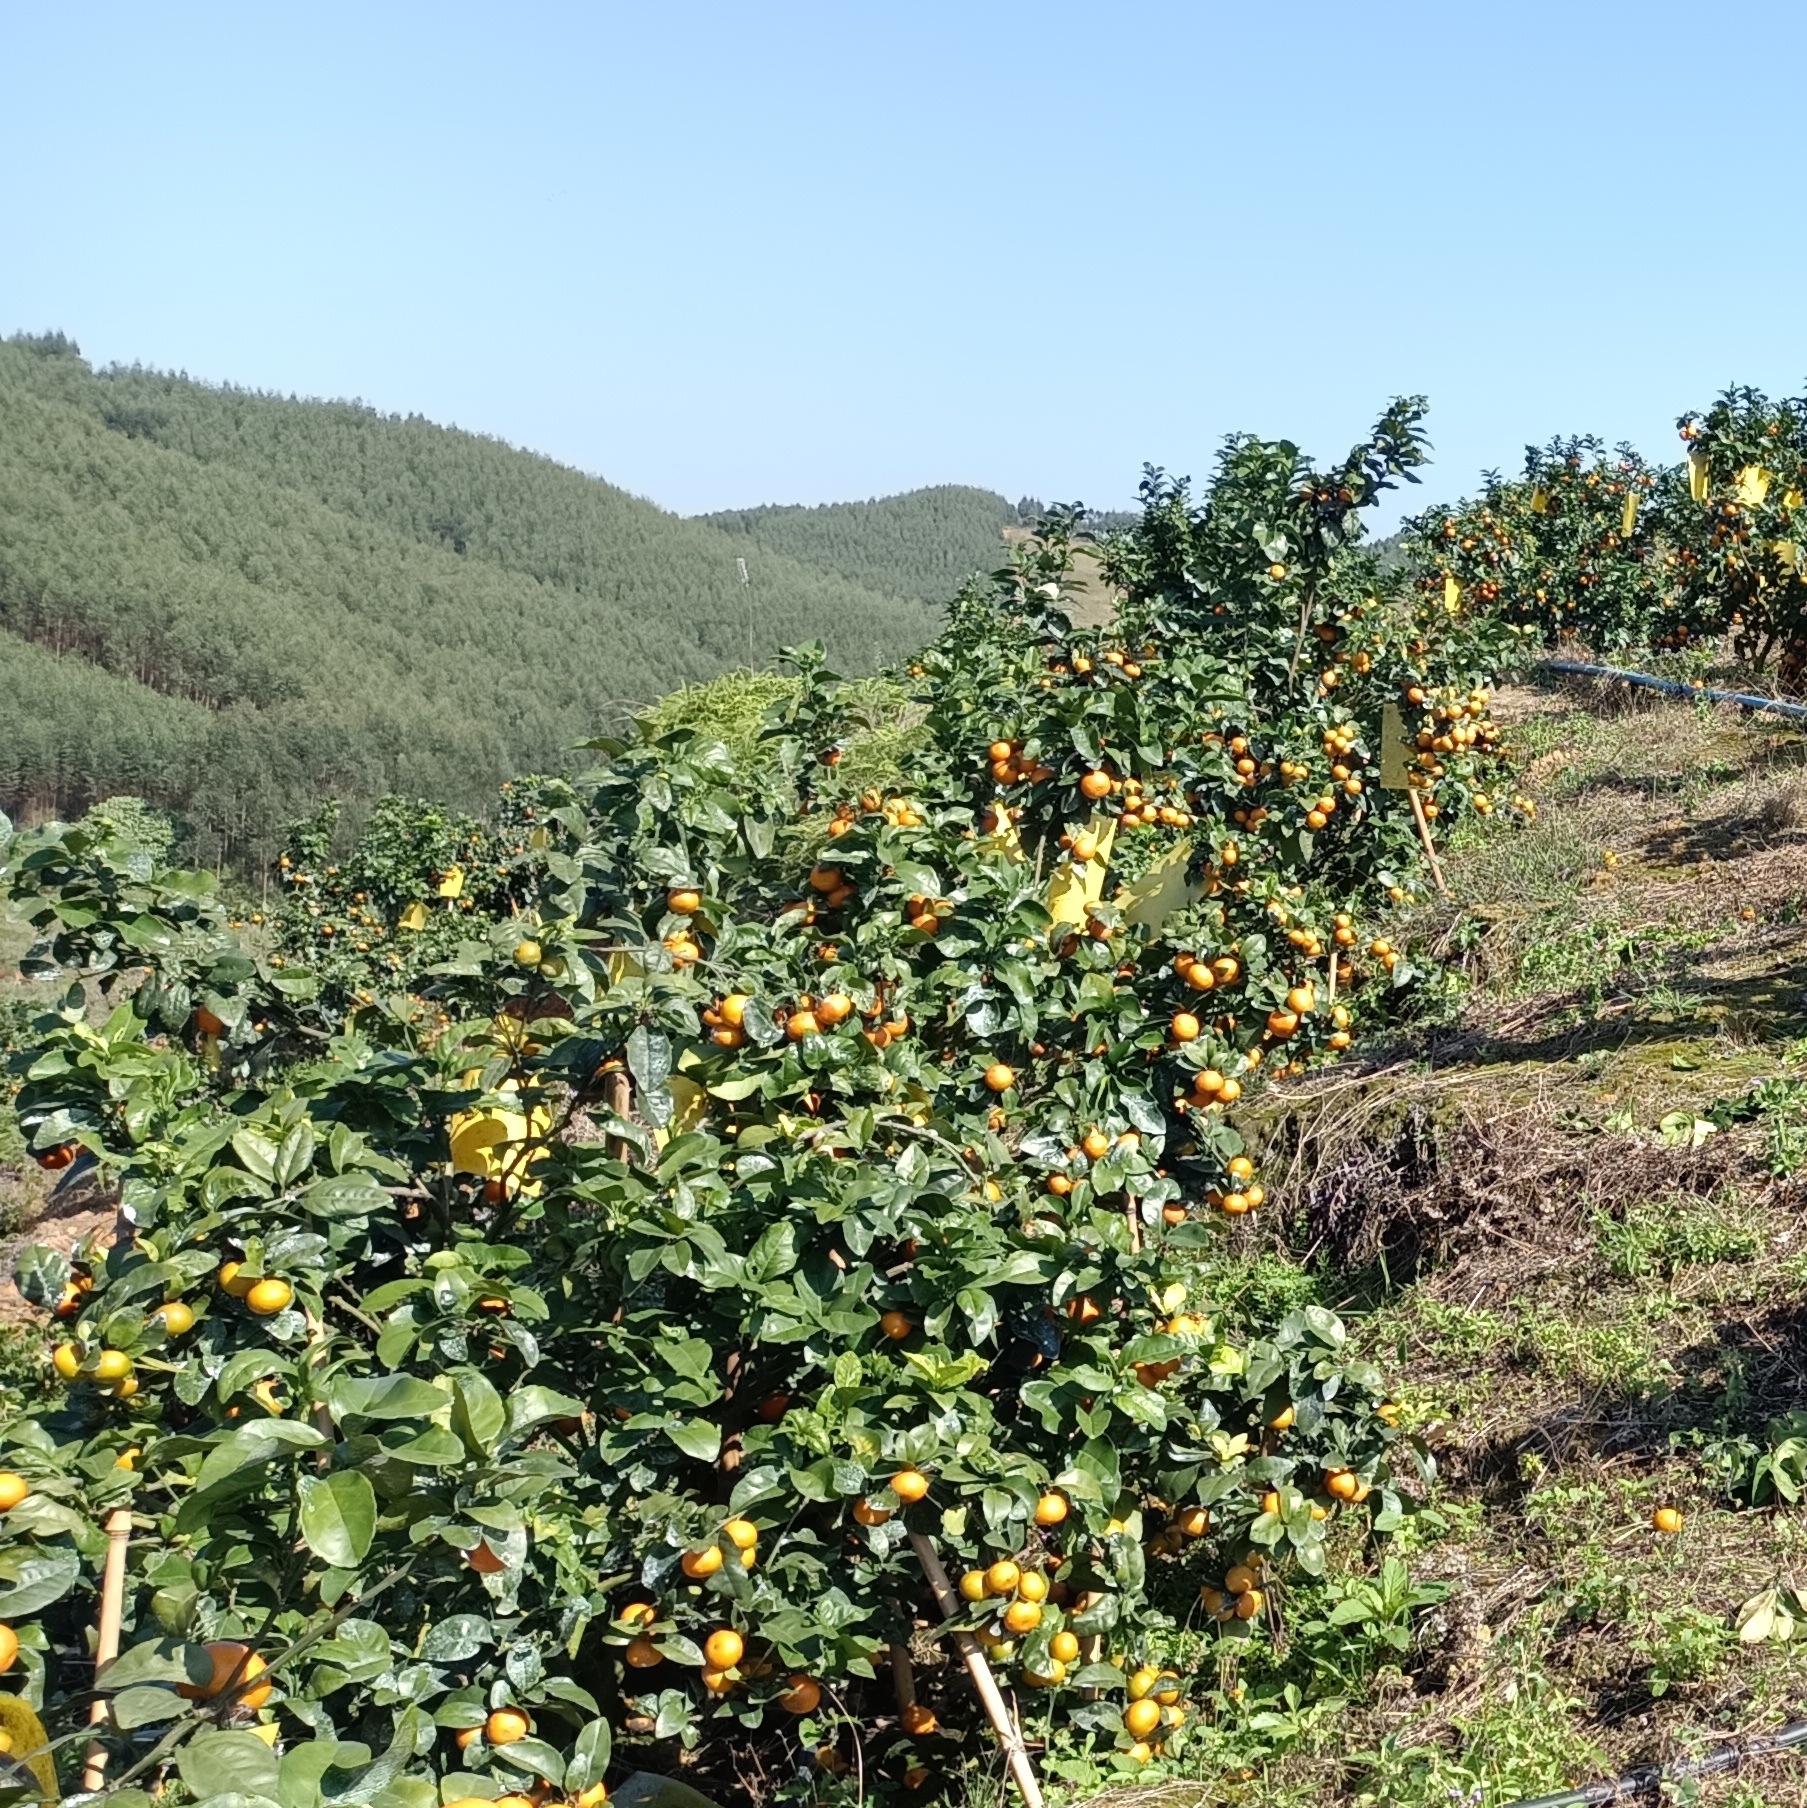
(106,1644)
(903,1677)
(618,1093)
(984,1682)
(1424,835)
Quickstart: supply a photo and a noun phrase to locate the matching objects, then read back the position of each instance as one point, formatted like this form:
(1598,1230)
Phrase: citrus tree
(1572,548)
(581,1350)
(1735,557)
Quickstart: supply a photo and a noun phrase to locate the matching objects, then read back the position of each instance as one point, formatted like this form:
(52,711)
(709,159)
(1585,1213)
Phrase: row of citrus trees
(575,1278)
(1606,548)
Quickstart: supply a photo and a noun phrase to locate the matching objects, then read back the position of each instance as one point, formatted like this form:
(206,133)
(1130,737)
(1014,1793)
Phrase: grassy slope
(1579,1311)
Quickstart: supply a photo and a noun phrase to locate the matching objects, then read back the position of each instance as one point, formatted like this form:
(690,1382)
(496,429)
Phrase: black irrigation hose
(1675,686)
(1649,1777)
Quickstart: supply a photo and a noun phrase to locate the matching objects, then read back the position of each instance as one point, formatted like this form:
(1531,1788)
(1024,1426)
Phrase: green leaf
(258,1154)
(384,1397)
(359,1648)
(478,1415)
(249,1446)
(295,1155)
(590,1755)
(455,1638)
(37,1582)
(40,1273)
(534,1756)
(697,1438)
(157,1660)
(649,1061)
(305,1763)
(531,1406)
(228,1763)
(146,1705)
(338,1516)
(346,1196)
(433,1447)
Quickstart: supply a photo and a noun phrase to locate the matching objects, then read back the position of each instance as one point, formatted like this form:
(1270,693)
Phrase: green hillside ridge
(923,544)
(233,603)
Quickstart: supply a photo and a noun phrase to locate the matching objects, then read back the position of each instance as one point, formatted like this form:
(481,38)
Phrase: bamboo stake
(1015,1753)
(106,1644)
(1424,835)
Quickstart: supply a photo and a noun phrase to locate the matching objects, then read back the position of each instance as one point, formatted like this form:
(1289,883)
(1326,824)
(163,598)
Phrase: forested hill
(233,603)
(923,544)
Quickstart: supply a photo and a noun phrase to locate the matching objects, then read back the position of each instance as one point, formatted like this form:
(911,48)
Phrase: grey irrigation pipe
(1575,668)
(1649,1777)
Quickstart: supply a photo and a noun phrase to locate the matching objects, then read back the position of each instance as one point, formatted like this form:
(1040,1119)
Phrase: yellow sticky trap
(623,965)
(451,885)
(1075,890)
(1697,475)
(690,1105)
(1753,486)
(1452,593)
(492,1143)
(414,916)
(1162,890)
(1540,500)
(1786,551)
(1395,755)
(1004,840)
(1628,515)
(1791,499)
(27,1743)
(538,838)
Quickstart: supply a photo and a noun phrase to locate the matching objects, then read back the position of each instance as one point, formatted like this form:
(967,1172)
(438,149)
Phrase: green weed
(1660,1236)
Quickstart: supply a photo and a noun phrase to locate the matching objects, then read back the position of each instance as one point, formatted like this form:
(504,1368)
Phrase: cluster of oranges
(831,885)
(1095,1145)
(925,914)
(725,1020)
(1454,721)
(111,1371)
(898,812)
(1009,767)
(1141,805)
(1152,1712)
(265,1295)
(683,944)
(1206,975)
(1241,1595)
(812,1015)
(702,1562)
(1244,1193)
(1018,1598)
(1083,665)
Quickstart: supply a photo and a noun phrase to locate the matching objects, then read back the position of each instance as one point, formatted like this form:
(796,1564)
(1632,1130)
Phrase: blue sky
(727,254)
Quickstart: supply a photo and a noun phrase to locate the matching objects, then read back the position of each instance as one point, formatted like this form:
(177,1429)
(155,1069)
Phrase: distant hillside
(923,544)
(233,603)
